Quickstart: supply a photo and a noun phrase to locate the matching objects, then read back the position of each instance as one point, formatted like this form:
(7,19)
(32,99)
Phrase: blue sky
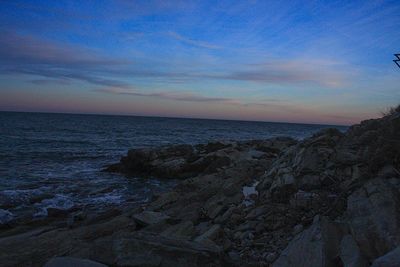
(293,61)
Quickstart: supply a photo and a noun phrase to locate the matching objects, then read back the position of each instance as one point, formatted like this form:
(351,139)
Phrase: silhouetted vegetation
(390,111)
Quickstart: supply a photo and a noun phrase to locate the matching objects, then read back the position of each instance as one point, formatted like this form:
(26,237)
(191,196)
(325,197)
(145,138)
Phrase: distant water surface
(54,160)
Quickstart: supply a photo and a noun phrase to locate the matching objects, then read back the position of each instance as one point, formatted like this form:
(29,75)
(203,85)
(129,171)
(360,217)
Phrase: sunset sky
(292,61)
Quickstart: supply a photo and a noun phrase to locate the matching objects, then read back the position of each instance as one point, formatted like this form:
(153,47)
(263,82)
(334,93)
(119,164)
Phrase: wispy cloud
(192,42)
(294,71)
(64,75)
(50,81)
(25,49)
(179,96)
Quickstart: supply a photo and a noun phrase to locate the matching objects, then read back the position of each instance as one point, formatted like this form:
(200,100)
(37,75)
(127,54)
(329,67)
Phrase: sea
(55,160)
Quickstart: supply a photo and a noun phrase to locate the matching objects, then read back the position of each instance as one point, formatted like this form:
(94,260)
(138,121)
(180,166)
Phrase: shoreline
(274,202)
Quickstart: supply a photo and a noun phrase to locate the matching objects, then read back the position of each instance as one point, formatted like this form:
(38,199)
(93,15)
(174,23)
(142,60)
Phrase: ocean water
(55,160)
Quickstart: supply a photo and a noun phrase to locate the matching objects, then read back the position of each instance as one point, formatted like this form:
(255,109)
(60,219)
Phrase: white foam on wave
(21,196)
(5,216)
(113,197)
(61,202)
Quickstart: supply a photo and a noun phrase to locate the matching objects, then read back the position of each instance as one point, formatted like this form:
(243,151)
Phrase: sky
(327,62)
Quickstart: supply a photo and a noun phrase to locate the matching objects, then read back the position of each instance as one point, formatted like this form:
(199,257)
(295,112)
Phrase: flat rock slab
(72,262)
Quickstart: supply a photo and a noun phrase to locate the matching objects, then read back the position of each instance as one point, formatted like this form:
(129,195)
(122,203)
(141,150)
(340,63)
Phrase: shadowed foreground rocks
(330,200)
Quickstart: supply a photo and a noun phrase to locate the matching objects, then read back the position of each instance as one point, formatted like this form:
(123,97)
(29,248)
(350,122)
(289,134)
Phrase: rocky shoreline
(330,200)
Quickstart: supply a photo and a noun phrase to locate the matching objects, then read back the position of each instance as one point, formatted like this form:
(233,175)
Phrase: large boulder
(318,246)
(391,259)
(373,212)
(350,253)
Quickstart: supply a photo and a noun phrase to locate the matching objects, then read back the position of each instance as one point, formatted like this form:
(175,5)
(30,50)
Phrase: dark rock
(150,217)
(54,212)
(183,230)
(146,249)
(297,229)
(69,262)
(390,259)
(211,234)
(319,245)
(350,253)
(372,212)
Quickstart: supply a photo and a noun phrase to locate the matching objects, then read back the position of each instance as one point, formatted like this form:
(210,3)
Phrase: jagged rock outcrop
(184,161)
(330,200)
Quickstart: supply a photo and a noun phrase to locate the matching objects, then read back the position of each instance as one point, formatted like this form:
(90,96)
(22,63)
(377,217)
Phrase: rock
(69,262)
(283,186)
(247,225)
(225,216)
(149,218)
(297,229)
(350,253)
(316,246)
(147,249)
(390,259)
(234,256)
(271,257)
(55,212)
(303,199)
(227,245)
(214,211)
(163,200)
(256,212)
(372,212)
(183,230)
(210,234)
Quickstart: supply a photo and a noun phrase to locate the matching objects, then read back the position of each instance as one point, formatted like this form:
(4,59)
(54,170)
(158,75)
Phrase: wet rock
(75,262)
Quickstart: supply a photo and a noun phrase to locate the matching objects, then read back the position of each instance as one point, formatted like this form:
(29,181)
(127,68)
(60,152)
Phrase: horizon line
(171,117)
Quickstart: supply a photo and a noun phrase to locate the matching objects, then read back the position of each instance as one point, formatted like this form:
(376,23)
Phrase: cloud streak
(191,42)
(34,56)
(188,97)
(25,49)
(64,75)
